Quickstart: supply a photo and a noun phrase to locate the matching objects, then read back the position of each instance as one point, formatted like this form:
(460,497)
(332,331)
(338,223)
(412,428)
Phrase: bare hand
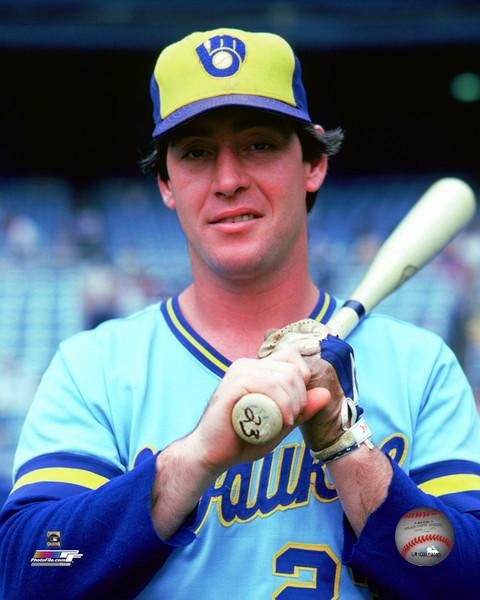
(284,377)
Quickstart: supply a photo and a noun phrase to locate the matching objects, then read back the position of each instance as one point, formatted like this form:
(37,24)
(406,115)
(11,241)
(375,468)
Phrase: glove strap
(351,440)
(350,413)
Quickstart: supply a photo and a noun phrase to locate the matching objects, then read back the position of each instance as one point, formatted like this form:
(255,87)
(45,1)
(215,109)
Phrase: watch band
(351,440)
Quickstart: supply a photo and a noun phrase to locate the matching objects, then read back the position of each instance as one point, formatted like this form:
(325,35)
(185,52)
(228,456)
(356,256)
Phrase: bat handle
(347,318)
(256,418)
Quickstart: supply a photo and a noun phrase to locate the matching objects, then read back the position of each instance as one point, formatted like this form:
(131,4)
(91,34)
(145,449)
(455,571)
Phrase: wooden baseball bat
(441,212)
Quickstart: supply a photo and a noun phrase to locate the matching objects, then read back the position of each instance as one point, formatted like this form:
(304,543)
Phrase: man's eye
(260,146)
(194,153)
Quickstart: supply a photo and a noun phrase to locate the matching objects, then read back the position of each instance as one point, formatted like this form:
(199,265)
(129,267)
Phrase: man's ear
(166,193)
(317,170)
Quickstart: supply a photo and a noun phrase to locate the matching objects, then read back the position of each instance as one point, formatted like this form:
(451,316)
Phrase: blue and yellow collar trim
(203,351)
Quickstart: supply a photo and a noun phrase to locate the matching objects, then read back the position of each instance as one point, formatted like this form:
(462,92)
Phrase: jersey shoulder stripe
(456,481)
(59,474)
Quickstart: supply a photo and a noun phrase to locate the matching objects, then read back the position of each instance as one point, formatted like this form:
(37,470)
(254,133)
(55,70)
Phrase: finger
(290,378)
(290,397)
(283,383)
(280,381)
(291,355)
(317,399)
(280,377)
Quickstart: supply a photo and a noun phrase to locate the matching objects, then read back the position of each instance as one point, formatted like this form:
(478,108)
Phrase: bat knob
(256,418)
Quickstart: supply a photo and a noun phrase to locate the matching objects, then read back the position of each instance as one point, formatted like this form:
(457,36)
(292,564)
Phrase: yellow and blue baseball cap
(226,67)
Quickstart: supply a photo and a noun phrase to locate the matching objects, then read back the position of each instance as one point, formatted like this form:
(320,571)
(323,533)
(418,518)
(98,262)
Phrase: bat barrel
(442,211)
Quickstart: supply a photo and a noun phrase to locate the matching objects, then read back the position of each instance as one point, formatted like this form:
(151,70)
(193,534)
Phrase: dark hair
(315,144)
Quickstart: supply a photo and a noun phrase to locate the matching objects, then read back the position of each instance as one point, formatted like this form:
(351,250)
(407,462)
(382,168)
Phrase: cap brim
(201,106)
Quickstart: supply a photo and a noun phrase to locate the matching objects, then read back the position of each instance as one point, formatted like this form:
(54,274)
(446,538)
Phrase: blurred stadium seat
(53,243)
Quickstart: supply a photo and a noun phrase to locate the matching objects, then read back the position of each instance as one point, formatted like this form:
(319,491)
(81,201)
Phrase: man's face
(238,183)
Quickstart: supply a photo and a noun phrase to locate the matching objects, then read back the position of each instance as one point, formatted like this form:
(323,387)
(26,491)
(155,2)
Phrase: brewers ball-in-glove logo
(222,55)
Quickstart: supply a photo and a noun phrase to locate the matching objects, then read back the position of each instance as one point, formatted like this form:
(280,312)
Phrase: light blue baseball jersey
(273,529)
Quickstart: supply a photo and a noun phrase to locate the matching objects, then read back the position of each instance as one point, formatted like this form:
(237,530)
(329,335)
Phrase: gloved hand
(332,366)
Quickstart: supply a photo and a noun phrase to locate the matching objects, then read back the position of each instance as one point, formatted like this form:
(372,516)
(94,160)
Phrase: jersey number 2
(316,558)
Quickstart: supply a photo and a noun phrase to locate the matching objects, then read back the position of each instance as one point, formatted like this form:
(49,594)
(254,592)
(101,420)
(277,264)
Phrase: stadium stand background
(84,237)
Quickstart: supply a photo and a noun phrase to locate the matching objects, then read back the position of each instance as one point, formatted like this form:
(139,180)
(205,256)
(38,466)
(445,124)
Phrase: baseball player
(128,460)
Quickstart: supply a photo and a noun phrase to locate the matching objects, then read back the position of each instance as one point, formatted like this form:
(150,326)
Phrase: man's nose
(230,173)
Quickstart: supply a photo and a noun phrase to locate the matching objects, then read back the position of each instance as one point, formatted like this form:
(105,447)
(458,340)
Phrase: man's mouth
(237,219)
